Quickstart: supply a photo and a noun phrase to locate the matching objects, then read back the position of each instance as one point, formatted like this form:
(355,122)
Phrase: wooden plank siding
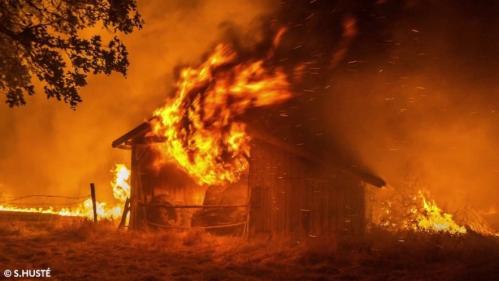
(293,197)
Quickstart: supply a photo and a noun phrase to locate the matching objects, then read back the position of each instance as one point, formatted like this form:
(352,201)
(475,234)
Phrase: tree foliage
(49,40)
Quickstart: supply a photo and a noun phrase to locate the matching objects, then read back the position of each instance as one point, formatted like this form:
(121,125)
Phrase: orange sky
(50,149)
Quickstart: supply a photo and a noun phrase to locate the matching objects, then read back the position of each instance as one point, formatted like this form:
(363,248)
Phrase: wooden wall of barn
(294,197)
(152,186)
(137,194)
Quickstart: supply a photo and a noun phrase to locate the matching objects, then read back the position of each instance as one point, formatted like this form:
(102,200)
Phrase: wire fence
(42,200)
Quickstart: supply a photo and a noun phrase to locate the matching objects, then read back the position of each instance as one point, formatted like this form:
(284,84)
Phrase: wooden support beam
(94,203)
(246,231)
(126,210)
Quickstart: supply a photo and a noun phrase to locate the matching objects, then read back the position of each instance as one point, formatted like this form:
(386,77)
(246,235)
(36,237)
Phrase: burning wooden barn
(211,158)
(285,191)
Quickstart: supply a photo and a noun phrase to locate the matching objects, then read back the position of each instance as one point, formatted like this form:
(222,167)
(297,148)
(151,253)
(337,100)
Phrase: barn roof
(140,135)
(137,135)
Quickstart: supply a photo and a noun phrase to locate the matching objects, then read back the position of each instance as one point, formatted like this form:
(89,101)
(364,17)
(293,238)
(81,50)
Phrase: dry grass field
(79,250)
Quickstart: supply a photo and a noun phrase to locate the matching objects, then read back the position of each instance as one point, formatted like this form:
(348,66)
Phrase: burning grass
(80,250)
(413,210)
(121,191)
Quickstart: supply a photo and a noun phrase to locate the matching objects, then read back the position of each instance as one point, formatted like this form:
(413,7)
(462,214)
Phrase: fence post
(94,205)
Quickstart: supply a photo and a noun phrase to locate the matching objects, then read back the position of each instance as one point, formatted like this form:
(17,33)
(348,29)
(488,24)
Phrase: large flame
(120,183)
(432,218)
(414,212)
(203,135)
(121,190)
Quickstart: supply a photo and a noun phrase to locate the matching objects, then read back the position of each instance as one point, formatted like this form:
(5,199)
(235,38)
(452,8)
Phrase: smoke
(416,97)
(404,89)
(47,148)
